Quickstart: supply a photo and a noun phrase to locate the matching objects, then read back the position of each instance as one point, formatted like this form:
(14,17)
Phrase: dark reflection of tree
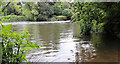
(101,48)
(106,48)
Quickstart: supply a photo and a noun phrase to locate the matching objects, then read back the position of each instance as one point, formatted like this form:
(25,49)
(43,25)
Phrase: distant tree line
(38,11)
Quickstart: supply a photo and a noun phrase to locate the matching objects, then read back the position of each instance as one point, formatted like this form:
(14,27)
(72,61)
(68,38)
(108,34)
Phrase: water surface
(60,45)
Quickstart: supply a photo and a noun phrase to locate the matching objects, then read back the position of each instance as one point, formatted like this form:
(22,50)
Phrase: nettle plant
(15,45)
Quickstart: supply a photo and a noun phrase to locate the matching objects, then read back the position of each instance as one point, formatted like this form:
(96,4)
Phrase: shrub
(57,9)
(68,13)
(53,19)
(42,17)
(14,18)
(15,45)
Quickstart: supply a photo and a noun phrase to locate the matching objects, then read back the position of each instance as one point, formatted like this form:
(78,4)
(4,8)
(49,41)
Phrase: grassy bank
(58,18)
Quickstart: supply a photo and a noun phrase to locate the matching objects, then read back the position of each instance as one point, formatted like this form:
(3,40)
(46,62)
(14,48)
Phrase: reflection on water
(107,48)
(59,45)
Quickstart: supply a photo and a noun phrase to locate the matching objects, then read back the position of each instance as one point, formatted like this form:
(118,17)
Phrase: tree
(68,13)
(97,17)
(89,17)
(37,11)
(57,9)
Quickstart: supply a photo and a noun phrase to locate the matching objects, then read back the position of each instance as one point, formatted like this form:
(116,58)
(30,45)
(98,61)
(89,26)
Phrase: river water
(59,43)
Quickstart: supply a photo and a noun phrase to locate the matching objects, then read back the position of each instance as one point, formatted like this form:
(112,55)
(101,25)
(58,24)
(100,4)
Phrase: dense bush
(98,17)
(57,9)
(38,12)
(53,19)
(68,13)
(42,17)
(15,45)
(14,18)
(42,11)
(89,16)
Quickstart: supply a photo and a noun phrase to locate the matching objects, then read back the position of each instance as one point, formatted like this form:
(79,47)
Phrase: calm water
(60,45)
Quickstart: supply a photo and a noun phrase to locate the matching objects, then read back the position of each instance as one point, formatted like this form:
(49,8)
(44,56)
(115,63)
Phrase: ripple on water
(46,48)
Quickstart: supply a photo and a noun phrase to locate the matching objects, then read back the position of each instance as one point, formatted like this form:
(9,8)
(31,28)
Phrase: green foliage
(14,8)
(57,9)
(67,12)
(14,18)
(89,16)
(97,27)
(10,7)
(58,18)
(38,11)
(15,45)
(42,11)
(53,18)
(42,17)
(97,17)
(65,5)
(34,11)
(45,11)
(112,17)
(28,10)
(5,6)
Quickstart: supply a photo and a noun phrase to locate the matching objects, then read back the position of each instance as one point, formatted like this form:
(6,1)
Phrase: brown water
(60,45)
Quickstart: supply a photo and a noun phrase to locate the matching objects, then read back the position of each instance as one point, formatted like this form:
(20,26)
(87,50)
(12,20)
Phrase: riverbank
(42,22)
(11,18)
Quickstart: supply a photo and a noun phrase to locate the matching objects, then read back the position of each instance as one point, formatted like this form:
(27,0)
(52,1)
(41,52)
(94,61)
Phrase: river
(59,43)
